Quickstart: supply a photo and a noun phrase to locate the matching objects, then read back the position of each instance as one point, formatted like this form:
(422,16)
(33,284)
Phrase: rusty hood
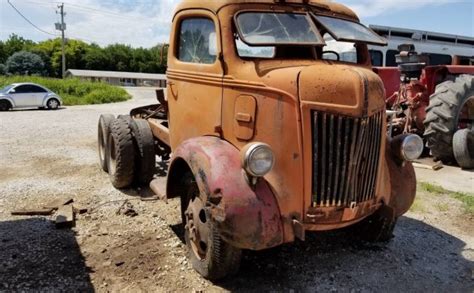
(345,89)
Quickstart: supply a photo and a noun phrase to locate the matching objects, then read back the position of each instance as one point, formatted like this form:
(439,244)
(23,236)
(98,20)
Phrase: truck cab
(273,133)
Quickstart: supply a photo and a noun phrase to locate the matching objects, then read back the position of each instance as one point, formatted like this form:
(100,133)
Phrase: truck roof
(216,5)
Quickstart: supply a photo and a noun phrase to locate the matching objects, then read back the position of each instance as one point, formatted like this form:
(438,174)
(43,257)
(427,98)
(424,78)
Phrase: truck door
(195,73)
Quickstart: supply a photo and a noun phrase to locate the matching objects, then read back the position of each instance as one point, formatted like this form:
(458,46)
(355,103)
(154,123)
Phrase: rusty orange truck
(269,133)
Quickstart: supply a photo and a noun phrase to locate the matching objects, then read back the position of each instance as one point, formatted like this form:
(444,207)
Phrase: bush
(2,69)
(25,63)
(74,91)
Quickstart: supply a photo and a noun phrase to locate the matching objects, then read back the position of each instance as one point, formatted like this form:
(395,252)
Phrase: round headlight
(412,147)
(257,159)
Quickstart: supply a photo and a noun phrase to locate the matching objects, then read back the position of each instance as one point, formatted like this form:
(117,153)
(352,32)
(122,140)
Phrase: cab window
(197,41)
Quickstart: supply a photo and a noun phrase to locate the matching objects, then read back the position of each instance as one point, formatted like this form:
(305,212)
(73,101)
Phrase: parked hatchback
(26,95)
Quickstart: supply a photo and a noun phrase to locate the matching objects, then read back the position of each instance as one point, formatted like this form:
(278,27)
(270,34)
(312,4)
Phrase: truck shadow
(34,256)
(419,258)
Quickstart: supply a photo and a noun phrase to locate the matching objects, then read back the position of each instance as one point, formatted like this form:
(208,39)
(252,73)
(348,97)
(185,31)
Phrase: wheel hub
(197,226)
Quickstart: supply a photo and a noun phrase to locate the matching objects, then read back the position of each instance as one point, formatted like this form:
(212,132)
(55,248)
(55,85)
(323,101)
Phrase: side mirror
(12,91)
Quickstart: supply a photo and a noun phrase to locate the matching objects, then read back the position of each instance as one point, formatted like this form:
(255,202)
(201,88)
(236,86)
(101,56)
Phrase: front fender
(402,181)
(49,96)
(247,218)
(8,99)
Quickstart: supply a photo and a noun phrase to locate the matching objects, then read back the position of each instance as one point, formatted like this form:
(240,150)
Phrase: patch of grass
(74,91)
(418,206)
(466,199)
(442,207)
(431,188)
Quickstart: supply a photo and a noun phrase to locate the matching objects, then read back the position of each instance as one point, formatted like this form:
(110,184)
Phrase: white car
(27,95)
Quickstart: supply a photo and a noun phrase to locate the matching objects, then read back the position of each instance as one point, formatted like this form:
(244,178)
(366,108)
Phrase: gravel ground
(49,155)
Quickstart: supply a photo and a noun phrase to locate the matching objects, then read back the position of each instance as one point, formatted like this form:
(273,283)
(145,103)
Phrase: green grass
(74,91)
(466,199)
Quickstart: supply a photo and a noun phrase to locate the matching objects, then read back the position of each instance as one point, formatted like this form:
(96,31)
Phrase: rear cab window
(197,41)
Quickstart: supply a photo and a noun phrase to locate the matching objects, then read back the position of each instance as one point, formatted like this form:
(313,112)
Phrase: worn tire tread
(146,158)
(125,154)
(442,115)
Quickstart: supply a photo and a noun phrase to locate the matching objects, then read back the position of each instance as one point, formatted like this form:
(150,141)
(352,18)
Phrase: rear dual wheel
(103,132)
(120,154)
(126,150)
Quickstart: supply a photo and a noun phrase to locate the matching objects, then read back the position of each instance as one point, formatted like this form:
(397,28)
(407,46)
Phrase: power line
(25,18)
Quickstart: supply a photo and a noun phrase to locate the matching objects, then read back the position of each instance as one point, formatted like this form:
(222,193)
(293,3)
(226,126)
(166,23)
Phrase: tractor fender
(247,217)
(402,179)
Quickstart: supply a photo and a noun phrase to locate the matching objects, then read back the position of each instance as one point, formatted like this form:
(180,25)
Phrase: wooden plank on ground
(58,203)
(33,212)
(65,217)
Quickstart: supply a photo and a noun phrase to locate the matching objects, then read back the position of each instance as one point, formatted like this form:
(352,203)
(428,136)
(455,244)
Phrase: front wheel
(209,254)
(5,105)
(377,227)
(52,104)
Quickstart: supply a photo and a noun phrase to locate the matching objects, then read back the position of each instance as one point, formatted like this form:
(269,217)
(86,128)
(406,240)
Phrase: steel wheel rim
(197,226)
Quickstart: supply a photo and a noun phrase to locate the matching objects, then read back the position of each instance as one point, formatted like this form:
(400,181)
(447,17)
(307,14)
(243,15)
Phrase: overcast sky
(147,22)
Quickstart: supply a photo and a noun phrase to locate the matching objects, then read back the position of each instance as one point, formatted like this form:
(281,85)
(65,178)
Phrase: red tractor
(435,102)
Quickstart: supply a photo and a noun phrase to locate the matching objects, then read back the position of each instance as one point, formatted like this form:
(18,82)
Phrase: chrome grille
(346,153)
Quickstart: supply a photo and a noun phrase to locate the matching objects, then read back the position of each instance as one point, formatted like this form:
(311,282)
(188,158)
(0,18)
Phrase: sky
(145,23)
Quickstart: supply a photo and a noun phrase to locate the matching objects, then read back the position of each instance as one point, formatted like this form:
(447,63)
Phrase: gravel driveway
(49,155)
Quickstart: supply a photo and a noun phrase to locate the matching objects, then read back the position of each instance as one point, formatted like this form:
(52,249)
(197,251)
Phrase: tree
(16,43)
(2,69)
(95,58)
(25,63)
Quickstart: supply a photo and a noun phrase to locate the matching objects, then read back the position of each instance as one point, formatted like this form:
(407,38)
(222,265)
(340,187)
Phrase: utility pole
(62,27)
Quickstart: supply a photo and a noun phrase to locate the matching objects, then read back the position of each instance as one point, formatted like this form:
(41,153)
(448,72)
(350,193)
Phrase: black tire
(53,104)
(463,147)
(442,115)
(103,131)
(220,259)
(5,105)
(378,227)
(120,154)
(145,145)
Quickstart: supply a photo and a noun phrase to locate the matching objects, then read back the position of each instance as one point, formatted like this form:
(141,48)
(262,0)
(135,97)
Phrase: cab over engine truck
(269,134)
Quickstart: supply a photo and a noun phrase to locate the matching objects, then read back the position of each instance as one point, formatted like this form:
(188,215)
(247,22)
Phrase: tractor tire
(102,138)
(121,154)
(145,163)
(210,256)
(463,146)
(442,115)
(378,227)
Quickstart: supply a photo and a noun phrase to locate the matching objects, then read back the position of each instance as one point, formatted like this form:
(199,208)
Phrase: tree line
(22,56)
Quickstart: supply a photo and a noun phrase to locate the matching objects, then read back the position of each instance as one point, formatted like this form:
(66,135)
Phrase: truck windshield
(265,28)
(344,30)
